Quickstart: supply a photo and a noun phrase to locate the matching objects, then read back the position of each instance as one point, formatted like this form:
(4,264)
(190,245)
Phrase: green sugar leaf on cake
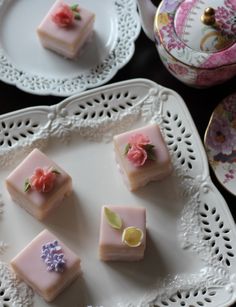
(113,219)
(27,185)
(151,155)
(127,148)
(77,16)
(74,7)
(55,171)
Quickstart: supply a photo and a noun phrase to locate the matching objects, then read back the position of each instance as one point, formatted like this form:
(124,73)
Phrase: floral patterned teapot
(196,39)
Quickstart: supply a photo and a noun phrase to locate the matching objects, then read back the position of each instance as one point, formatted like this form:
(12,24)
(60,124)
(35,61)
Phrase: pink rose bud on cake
(66,28)
(136,149)
(63,16)
(142,156)
(42,180)
(38,184)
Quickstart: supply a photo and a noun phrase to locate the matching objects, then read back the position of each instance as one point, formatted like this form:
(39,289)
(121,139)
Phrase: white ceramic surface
(26,64)
(190,256)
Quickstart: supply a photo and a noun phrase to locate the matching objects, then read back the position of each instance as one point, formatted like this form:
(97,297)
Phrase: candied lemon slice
(113,218)
(132,236)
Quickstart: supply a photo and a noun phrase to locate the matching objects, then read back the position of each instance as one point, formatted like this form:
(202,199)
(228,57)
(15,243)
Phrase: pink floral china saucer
(220,142)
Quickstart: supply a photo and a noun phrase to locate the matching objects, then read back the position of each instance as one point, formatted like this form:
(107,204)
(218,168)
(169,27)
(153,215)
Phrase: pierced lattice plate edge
(215,276)
(119,56)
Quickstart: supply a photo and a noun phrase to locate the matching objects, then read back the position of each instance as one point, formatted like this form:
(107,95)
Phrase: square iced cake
(38,184)
(47,265)
(142,156)
(122,233)
(65,28)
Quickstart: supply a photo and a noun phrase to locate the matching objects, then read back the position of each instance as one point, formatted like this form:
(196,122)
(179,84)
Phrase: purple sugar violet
(52,255)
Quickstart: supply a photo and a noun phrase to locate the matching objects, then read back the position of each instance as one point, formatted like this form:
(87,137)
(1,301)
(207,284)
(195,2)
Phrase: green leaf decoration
(113,219)
(151,155)
(74,7)
(55,171)
(127,148)
(149,147)
(77,16)
(27,185)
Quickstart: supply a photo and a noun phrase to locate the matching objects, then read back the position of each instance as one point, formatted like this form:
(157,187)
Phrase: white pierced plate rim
(152,105)
(64,87)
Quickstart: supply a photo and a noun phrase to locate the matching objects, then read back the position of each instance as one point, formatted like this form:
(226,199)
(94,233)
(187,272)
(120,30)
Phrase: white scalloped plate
(190,256)
(26,64)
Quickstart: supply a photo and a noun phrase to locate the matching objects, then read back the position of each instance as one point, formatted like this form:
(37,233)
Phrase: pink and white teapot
(196,39)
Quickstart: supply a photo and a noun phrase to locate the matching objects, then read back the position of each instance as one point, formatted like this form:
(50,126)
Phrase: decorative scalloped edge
(152,104)
(18,294)
(119,56)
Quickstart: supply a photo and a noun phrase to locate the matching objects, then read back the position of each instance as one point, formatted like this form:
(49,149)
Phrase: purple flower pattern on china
(170,5)
(53,257)
(172,41)
(230,175)
(221,137)
(230,109)
(226,18)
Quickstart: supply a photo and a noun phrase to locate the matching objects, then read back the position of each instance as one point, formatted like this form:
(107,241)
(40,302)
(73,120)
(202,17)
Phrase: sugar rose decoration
(42,180)
(65,15)
(139,149)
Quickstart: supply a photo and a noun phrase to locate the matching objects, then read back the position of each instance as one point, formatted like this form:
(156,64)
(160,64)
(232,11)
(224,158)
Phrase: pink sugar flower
(139,139)
(137,155)
(139,149)
(64,15)
(42,180)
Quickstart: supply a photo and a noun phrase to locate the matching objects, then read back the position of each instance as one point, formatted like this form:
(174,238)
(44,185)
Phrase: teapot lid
(200,33)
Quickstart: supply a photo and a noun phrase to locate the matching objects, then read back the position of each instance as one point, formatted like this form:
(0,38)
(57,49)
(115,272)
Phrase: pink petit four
(47,265)
(38,184)
(66,28)
(122,233)
(142,156)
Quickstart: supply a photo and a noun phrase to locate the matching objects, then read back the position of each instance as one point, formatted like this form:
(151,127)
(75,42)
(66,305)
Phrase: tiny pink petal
(42,180)
(139,139)
(63,16)
(137,155)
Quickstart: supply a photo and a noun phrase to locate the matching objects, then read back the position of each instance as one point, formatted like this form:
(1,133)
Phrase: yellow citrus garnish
(132,236)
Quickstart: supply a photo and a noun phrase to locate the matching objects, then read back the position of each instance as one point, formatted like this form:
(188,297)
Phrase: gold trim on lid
(208,17)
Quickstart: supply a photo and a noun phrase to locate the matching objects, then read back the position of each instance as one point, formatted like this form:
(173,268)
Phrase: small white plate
(220,143)
(26,64)
(190,259)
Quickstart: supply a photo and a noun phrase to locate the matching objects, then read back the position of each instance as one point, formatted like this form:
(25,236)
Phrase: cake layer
(111,246)
(38,203)
(155,168)
(66,40)
(31,268)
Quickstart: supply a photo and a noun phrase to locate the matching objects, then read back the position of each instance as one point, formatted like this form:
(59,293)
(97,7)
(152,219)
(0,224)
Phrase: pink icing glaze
(151,170)
(110,242)
(36,203)
(31,268)
(65,40)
